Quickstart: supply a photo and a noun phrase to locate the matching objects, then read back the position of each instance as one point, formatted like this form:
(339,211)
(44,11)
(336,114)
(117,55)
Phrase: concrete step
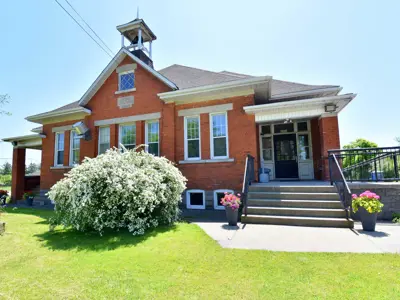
(298,221)
(293,195)
(300,203)
(293,188)
(295,211)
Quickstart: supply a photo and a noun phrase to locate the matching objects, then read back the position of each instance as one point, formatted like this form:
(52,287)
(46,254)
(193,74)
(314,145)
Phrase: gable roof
(183,77)
(187,77)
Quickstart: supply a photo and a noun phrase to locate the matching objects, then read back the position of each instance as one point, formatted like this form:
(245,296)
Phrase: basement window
(195,199)
(218,195)
(126,81)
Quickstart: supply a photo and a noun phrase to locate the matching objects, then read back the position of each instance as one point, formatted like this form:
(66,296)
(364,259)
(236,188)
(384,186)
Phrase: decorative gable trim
(112,65)
(125,102)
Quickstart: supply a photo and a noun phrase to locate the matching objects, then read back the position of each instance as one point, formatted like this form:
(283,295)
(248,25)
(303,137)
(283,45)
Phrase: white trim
(61,128)
(51,114)
(296,103)
(71,143)
(126,68)
(124,91)
(216,206)
(120,134)
(206,161)
(186,141)
(146,130)
(130,119)
(23,138)
(308,92)
(248,82)
(60,167)
(117,59)
(56,150)
(212,136)
(188,205)
(98,139)
(205,110)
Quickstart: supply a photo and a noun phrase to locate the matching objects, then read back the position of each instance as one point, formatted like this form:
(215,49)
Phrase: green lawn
(5,187)
(177,262)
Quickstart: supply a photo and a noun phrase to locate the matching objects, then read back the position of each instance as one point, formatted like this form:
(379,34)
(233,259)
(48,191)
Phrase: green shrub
(134,190)
(396,218)
(5,179)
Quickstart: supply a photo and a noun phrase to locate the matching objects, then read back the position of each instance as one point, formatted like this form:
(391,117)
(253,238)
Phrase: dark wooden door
(285,150)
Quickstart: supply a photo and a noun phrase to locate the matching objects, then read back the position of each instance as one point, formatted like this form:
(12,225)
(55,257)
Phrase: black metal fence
(368,164)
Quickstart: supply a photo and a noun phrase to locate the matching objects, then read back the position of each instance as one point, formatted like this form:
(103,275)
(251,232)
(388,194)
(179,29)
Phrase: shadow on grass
(91,241)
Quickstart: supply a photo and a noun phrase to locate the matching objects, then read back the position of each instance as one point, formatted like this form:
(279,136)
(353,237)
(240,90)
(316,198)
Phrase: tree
(32,168)
(4,99)
(6,168)
(397,139)
(360,143)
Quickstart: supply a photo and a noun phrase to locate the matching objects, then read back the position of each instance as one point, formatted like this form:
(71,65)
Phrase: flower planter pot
(232,216)
(368,220)
(29,201)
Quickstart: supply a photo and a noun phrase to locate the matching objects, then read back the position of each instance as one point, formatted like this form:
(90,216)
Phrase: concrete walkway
(386,238)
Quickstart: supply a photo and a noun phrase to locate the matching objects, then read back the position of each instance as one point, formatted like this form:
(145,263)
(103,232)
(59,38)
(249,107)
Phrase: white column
(140,39)
(122,41)
(150,49)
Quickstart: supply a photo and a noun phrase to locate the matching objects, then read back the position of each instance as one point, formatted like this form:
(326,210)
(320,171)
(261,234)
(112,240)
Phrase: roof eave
(248,82)
(39,117)
(335,90)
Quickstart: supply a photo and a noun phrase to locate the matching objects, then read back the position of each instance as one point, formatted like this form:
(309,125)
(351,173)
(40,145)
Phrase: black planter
(368,220)
(29,201)
(232,216)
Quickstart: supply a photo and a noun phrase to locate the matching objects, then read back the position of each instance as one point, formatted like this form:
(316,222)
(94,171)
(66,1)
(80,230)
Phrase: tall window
(219,136)
(126,81)
(192,138)
(104,139)
(75,145)
(127,136)
(152,137)
(59,149)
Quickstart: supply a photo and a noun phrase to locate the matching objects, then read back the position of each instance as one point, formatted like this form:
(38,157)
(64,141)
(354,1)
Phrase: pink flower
(354,196)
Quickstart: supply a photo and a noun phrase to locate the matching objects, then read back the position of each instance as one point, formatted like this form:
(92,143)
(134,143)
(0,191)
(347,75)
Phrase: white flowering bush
(133,190)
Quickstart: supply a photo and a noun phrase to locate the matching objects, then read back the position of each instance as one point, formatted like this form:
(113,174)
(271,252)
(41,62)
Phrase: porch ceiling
(32,141)
(298,109)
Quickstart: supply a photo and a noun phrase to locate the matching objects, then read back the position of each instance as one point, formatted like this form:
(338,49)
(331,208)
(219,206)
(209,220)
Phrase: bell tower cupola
(140,38)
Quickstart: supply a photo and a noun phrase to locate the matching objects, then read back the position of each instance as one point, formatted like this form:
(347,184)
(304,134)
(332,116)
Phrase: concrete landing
(386,238)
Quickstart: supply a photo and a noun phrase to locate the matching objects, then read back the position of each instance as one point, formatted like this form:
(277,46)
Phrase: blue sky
(47,60)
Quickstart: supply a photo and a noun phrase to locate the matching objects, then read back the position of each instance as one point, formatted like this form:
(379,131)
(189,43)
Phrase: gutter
(215,87)
(24,137)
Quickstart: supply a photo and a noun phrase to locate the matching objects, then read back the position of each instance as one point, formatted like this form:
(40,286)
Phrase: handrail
(248,178)
(338,179)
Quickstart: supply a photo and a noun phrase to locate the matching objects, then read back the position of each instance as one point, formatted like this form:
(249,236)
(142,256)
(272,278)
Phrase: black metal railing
(368,164)
(248,178)
(338,179)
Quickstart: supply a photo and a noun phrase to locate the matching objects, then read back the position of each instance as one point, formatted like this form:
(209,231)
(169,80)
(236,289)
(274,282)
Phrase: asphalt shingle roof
(187,77)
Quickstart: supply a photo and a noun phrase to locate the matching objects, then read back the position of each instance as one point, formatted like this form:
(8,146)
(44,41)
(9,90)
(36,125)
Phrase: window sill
(60,167)
(206,161)
(125,91)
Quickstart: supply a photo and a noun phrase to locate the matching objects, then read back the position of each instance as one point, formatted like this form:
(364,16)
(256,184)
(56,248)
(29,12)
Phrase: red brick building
(206,122)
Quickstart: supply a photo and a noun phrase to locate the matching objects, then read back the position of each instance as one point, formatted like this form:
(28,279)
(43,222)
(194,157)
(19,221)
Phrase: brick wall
(329,139)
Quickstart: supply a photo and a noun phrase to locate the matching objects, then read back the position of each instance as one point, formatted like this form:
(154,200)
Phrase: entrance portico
(20,144)
(294,136)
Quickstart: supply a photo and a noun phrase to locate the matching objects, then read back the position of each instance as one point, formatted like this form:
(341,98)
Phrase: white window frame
(188,205)
(147,135)
(212,135)
(71,149)
(98,142)
(56,150)
(120,134)
(186,140)
(216,206)
(119,80)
